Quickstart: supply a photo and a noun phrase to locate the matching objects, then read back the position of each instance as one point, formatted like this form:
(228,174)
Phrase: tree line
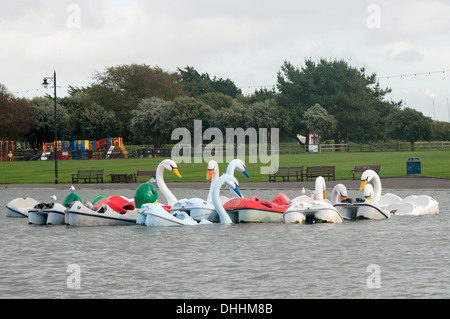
(144,104)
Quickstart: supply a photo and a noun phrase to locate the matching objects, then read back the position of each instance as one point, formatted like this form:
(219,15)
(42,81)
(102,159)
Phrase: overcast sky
(246,41)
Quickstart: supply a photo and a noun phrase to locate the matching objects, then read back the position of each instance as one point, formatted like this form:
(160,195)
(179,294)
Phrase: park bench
(121,178)
(316,171)
(88,176)
(359,169)
(285,173)
(144,173)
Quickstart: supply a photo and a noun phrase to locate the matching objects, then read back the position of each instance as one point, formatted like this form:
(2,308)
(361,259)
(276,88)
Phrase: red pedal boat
(255,210)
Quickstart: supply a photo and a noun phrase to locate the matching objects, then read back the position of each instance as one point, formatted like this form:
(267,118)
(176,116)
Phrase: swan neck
(334,196)
(223,215)
(171,199)
(376,188)
(214,178)
(319,190)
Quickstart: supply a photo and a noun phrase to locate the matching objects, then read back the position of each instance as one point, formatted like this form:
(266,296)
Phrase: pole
(448,110)
(56,134)
(434,115)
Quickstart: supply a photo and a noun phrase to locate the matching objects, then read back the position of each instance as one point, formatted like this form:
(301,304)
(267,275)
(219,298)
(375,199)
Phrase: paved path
(387,183)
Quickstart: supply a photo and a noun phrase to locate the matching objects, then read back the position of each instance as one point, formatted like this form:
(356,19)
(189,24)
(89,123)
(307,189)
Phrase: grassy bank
(393,164)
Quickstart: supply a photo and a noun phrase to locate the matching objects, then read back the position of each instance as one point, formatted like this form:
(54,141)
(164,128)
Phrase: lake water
(402,257)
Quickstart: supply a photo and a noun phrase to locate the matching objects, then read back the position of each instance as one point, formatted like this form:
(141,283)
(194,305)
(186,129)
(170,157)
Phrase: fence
(284,148)
(386,147)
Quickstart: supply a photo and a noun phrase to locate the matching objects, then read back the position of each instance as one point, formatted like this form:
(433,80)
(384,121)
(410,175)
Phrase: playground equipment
(84,149)
(5,148)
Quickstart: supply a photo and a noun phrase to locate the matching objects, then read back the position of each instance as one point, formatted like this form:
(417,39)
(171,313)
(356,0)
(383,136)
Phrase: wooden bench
(359,169)
(143,173)
(121,178)
(316,171)
(286,173)
(88,176)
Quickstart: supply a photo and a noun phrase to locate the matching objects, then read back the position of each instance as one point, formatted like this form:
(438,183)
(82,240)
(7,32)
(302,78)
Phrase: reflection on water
(226,261)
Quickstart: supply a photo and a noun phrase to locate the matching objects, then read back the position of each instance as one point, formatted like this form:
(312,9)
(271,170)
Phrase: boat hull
(47,214)
(362,210)
(19,207)
(250,215)
(156,216)
(55,217)
(37,217)
(315,212)
(197,208)
(245,210)
(80,215)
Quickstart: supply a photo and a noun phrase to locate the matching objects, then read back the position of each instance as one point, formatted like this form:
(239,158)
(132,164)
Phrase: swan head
(231,182)
(368,191)
(342,191)
(170,166)
(239,165)
(366,177)
(212,167)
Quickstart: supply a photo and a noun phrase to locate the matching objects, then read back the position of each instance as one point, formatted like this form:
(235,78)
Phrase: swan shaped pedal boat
(200,209)
(158,215)
(413,205)
(169,165)
(369,207)
(313,210)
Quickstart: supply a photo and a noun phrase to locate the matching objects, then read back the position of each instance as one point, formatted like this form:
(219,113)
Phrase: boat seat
(281,199)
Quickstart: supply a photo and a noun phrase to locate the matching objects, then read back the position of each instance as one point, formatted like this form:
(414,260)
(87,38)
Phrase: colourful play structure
(5,148)
(81,149)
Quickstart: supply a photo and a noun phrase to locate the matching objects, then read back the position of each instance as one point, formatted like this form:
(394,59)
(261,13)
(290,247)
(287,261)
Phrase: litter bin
(413,166)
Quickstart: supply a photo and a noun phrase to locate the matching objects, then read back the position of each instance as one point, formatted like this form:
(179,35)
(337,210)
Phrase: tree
(264,114)
(347,93)
(230,117)
(409,125)
(261,95)
(148,121)
(120,89)
(197,84)
(216,100)
(96,122)
(43,122)
(17,116)
(317,119)
(441,131)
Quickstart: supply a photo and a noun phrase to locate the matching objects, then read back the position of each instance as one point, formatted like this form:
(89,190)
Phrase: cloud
(246,41)
(429,93)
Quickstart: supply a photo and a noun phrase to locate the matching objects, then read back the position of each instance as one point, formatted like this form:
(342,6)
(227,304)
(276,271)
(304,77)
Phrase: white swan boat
(157,215)
(367,207)
(19,207)
(414,205)
(313,210)
(169,165)
(362,208)
(200,209)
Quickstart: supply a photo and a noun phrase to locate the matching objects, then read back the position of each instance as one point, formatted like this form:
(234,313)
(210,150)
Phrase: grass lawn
(393,164)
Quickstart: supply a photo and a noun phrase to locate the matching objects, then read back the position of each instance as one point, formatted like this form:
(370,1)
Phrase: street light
(45,85)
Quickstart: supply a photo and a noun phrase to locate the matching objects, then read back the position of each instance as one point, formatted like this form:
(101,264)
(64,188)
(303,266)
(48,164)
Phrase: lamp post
(45,85)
